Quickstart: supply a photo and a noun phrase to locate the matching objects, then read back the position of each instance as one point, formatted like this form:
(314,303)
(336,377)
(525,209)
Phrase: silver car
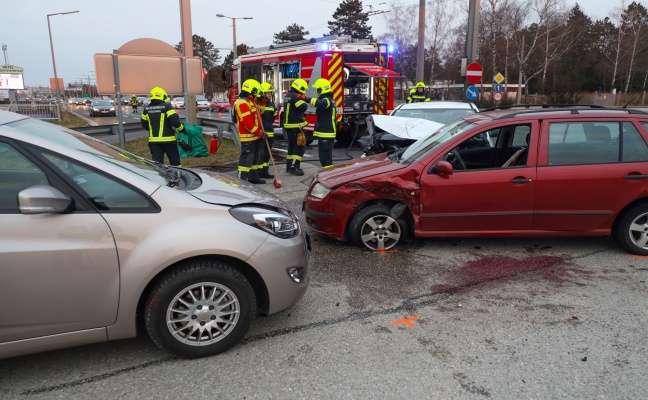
(94,239)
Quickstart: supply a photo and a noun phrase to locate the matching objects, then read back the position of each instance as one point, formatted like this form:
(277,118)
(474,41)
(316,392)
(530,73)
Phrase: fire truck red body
(361,76)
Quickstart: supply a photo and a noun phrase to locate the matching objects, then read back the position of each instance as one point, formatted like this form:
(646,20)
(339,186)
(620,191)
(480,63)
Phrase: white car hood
(406,128)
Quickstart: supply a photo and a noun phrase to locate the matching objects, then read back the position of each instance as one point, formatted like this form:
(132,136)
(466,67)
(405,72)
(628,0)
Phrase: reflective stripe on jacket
(268,114)
(325,126)
(295,109)
(417,97)
(247,119)
(159,118)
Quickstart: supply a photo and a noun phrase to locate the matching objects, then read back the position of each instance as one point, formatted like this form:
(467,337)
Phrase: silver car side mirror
(43,199)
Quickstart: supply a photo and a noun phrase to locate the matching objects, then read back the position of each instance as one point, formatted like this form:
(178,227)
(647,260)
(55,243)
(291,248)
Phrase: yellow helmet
(322,85)
(251,86)
(157,93)
(267,87)
(299,85)
(133,96)
(420,84)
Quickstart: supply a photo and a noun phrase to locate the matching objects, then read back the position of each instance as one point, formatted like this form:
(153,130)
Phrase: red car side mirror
(443,167)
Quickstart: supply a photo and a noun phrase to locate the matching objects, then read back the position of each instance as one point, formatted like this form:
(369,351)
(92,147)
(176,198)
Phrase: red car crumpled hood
(357,169)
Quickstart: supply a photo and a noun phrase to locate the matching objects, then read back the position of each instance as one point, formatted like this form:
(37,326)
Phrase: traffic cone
(220,114)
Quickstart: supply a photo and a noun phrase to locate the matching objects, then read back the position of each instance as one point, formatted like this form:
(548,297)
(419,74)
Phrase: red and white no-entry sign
(474,73)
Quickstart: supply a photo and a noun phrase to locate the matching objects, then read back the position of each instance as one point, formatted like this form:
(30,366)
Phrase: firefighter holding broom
(295,106)
(268,114)
(250,129)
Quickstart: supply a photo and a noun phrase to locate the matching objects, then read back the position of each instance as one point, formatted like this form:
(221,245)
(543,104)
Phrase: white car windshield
(422,147)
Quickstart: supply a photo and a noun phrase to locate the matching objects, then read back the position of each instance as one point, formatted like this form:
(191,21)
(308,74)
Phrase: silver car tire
(199,309)
(373,228)
(631,229)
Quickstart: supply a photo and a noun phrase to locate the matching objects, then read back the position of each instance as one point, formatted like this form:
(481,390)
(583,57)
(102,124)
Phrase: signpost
(499,78)
(474,73)
(497,96)
(472,92)
(498,87)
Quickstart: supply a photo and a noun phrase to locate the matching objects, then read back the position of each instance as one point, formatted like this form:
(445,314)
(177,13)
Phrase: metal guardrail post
(235,135)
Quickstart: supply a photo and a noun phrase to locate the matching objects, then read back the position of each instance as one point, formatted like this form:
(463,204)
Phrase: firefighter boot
(289,167)
(297,171)
(243,175)
(265,173)
(254,177)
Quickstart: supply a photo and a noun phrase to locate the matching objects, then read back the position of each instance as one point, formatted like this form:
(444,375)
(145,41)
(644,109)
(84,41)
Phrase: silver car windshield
(89,145)
(424,146)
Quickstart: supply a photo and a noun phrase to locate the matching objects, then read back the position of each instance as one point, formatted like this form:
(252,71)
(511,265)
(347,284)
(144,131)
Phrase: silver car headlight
(283,225)
(112,108)
(320,191)
(95,109)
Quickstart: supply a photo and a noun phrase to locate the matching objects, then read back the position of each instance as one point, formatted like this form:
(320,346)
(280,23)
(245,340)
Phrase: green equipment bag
(195,139)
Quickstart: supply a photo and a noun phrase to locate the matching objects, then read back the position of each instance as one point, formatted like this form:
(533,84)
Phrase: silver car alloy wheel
(203,314)
(380,232)
(639,231)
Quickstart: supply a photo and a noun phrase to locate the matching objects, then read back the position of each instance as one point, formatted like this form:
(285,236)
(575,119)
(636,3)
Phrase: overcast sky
(101,26)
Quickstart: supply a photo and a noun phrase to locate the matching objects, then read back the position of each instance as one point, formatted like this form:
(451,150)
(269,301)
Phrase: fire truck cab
(361,75)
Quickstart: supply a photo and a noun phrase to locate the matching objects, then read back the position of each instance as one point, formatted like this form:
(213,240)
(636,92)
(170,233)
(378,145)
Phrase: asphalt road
(440,319)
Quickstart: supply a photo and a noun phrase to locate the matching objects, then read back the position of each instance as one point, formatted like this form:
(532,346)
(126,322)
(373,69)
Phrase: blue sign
(472,92)
(498,87)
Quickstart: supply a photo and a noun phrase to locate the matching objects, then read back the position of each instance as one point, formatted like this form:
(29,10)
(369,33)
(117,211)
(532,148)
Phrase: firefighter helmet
(299,85)
(322,86)
(267,88)
(420,84)
(134,96)
(251,86)
(157,93)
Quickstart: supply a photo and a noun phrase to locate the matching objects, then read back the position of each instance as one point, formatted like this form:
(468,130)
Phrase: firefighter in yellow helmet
(250,131)
(418,95)
(268,114)
(295,105)
(134,103)
(160,119)
(325,127)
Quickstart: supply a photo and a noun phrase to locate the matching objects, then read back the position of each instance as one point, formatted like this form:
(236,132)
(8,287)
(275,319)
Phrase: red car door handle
(521,180)
(635,176)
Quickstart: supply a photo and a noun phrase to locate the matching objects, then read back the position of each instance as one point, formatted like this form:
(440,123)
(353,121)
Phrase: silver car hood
(228,190)
(406,128)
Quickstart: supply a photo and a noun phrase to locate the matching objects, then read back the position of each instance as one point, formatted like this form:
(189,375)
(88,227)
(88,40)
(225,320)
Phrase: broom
(276,182)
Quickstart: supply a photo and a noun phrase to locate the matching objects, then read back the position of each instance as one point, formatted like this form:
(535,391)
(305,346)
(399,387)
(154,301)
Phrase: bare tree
(635,20)
(440,19)
(401,32)
(616,18)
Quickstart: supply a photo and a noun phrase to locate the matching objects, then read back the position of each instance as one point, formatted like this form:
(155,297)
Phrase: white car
(178,102)
(437,111)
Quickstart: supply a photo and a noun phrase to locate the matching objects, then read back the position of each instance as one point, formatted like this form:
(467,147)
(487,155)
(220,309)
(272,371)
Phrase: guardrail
(46,111)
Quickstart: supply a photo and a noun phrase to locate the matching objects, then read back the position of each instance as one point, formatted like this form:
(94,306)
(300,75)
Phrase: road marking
(406,321)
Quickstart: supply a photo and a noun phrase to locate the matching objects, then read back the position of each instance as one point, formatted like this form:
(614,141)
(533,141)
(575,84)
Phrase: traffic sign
(499,78)
(472,92)
(474,73)
(497,96)
(498,88)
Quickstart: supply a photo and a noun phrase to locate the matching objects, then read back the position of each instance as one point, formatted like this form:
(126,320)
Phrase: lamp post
(49,29)
(233,30)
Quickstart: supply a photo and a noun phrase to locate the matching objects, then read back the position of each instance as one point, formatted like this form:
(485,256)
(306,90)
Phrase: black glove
(263,136)
(184,145)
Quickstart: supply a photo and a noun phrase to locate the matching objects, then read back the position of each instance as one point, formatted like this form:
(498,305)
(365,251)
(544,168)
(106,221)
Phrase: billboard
(12,81)
(53,85)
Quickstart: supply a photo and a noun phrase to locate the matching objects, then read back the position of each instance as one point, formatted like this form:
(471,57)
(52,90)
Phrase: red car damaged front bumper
(327,215)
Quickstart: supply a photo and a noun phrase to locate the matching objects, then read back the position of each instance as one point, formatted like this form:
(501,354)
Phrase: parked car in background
(82,223)
(220,104)
(178,102)
(203,105)
(102,107)
(508,172)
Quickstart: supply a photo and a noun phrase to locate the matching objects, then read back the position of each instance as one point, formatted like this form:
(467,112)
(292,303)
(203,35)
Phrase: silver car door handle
(521,180)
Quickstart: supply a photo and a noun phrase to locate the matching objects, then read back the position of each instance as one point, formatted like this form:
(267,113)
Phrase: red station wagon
(509,172)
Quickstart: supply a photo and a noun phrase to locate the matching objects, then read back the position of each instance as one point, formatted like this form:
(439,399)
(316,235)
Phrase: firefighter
(268,114)
(159,118)
(251,135)
(295,105)
(133,103)
(419,95)
(325,125)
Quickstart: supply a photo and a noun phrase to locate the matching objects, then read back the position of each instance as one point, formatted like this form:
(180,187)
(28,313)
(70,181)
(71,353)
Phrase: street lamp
(49,29)
(233,29)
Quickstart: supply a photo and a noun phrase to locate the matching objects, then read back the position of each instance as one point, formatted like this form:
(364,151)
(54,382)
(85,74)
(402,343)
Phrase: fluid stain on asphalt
(502,268)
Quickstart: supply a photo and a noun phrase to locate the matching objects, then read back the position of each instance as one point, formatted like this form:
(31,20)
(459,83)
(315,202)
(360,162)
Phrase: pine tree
(349,19)
(292,33)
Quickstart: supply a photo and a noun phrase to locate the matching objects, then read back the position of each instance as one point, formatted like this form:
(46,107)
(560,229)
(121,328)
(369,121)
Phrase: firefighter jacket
(416,97)
(325,111)
(268,114)
(159,118)
(247,119)
(134,102)
(294,110)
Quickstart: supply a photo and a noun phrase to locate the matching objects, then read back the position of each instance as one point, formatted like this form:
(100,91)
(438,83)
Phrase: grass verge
(70,120)
(227,152)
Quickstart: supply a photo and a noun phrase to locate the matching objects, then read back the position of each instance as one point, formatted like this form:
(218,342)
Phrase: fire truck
(361,75)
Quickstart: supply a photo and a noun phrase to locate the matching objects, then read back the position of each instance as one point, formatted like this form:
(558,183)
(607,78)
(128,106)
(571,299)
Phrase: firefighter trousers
(250,160)
(158,149)
(325,149)
(295,153)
